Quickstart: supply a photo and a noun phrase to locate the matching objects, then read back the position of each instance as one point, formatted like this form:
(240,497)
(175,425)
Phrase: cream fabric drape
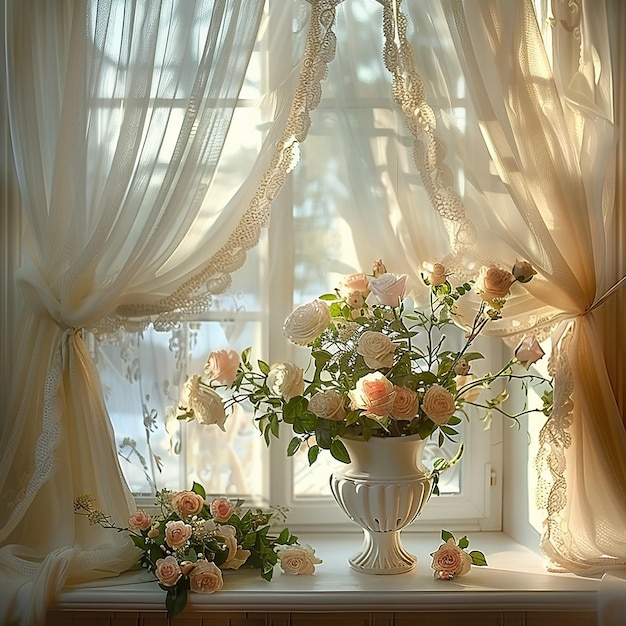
(121,118)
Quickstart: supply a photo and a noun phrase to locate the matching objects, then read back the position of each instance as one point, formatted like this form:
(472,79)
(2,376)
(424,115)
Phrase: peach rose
(221,366)
(236,555)
(221,509)
(386,289)
(286,379)
(438,404)
(187,503)
(450,561)
(375,394)
(205,577)
(353,283)
(328,405)
(168,571)
(376,349)
(140,520)
(405,404)
(307,322)
(177,533)
(205,402)
(436,274)
(493,282)
(297,559)
(523,271)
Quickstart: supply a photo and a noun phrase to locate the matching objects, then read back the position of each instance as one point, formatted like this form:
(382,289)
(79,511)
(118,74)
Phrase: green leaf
(478,558)
(294,446)
(313,454)
(463,543)
(339,452)
(445,535)
(264,367)
(199,489)
(175,600)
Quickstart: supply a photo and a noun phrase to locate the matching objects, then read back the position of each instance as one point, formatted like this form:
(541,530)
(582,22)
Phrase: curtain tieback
(607,294)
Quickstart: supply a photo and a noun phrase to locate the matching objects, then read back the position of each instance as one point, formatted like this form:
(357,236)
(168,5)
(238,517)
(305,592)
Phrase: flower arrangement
(452,560)
(192,541)
(379,367)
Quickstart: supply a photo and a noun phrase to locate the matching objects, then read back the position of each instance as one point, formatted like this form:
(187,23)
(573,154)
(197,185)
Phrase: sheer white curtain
(122,117)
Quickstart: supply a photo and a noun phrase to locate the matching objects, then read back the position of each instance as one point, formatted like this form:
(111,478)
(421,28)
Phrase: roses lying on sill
(379,366)
(451,559)
(192,541)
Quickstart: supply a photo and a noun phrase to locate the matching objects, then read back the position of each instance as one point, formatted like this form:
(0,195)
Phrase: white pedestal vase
(383,489)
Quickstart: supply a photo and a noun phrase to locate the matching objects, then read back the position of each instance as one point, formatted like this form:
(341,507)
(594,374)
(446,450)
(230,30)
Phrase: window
(337,215)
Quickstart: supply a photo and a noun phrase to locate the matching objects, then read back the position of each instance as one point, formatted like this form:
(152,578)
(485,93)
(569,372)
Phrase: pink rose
(168,571)
(450,561)
(140,520)
(405,404)
(493,282)
(286,379)
(376,349)
(438,404)
(221,366)
(205,577)
(436,274)
(374,394)
(221,509)
(353,283)
(177,533)
(307,322)
(528,351)
(386,289)
(295,559)
(328,405)
(187,503)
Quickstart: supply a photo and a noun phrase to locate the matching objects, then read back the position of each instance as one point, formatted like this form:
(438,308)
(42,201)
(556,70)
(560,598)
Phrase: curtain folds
(125,125)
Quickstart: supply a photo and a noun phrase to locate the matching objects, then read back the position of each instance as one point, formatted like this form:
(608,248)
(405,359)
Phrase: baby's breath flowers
(192,541)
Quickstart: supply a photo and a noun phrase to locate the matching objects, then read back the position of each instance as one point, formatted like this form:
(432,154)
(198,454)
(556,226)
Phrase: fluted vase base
(382,553)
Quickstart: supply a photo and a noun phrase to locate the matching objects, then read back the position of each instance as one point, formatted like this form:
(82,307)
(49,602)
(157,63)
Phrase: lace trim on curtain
(428,149)
(194,296)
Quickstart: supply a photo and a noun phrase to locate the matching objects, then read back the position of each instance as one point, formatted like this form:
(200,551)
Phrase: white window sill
(515,580)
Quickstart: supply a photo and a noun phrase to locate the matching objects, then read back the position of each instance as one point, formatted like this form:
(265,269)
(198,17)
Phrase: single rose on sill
(297,560)
(451,559)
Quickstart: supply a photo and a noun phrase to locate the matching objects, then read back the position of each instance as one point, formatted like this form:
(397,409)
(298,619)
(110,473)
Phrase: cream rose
(296,559)
(221,509)
(187,503)
(307,322)
(140,520)
(450,561)
(493,282)
(286,379)
(221,366)
(376,349)
(435,273)
(168,571)
(328,405)
(353,283)
(523,271)
(405,404)
(386,289)
(205,577)
(375,394)
(529,351)
(205,402)
(177,533)
(236,555)
(438,404)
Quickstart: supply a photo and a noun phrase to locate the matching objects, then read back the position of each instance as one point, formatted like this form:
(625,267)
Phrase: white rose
(205,402)
(450,561)
(286,379)
(438,404)
(295,559)
(328,405)
(376,348)
(386,289)
(307,322)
